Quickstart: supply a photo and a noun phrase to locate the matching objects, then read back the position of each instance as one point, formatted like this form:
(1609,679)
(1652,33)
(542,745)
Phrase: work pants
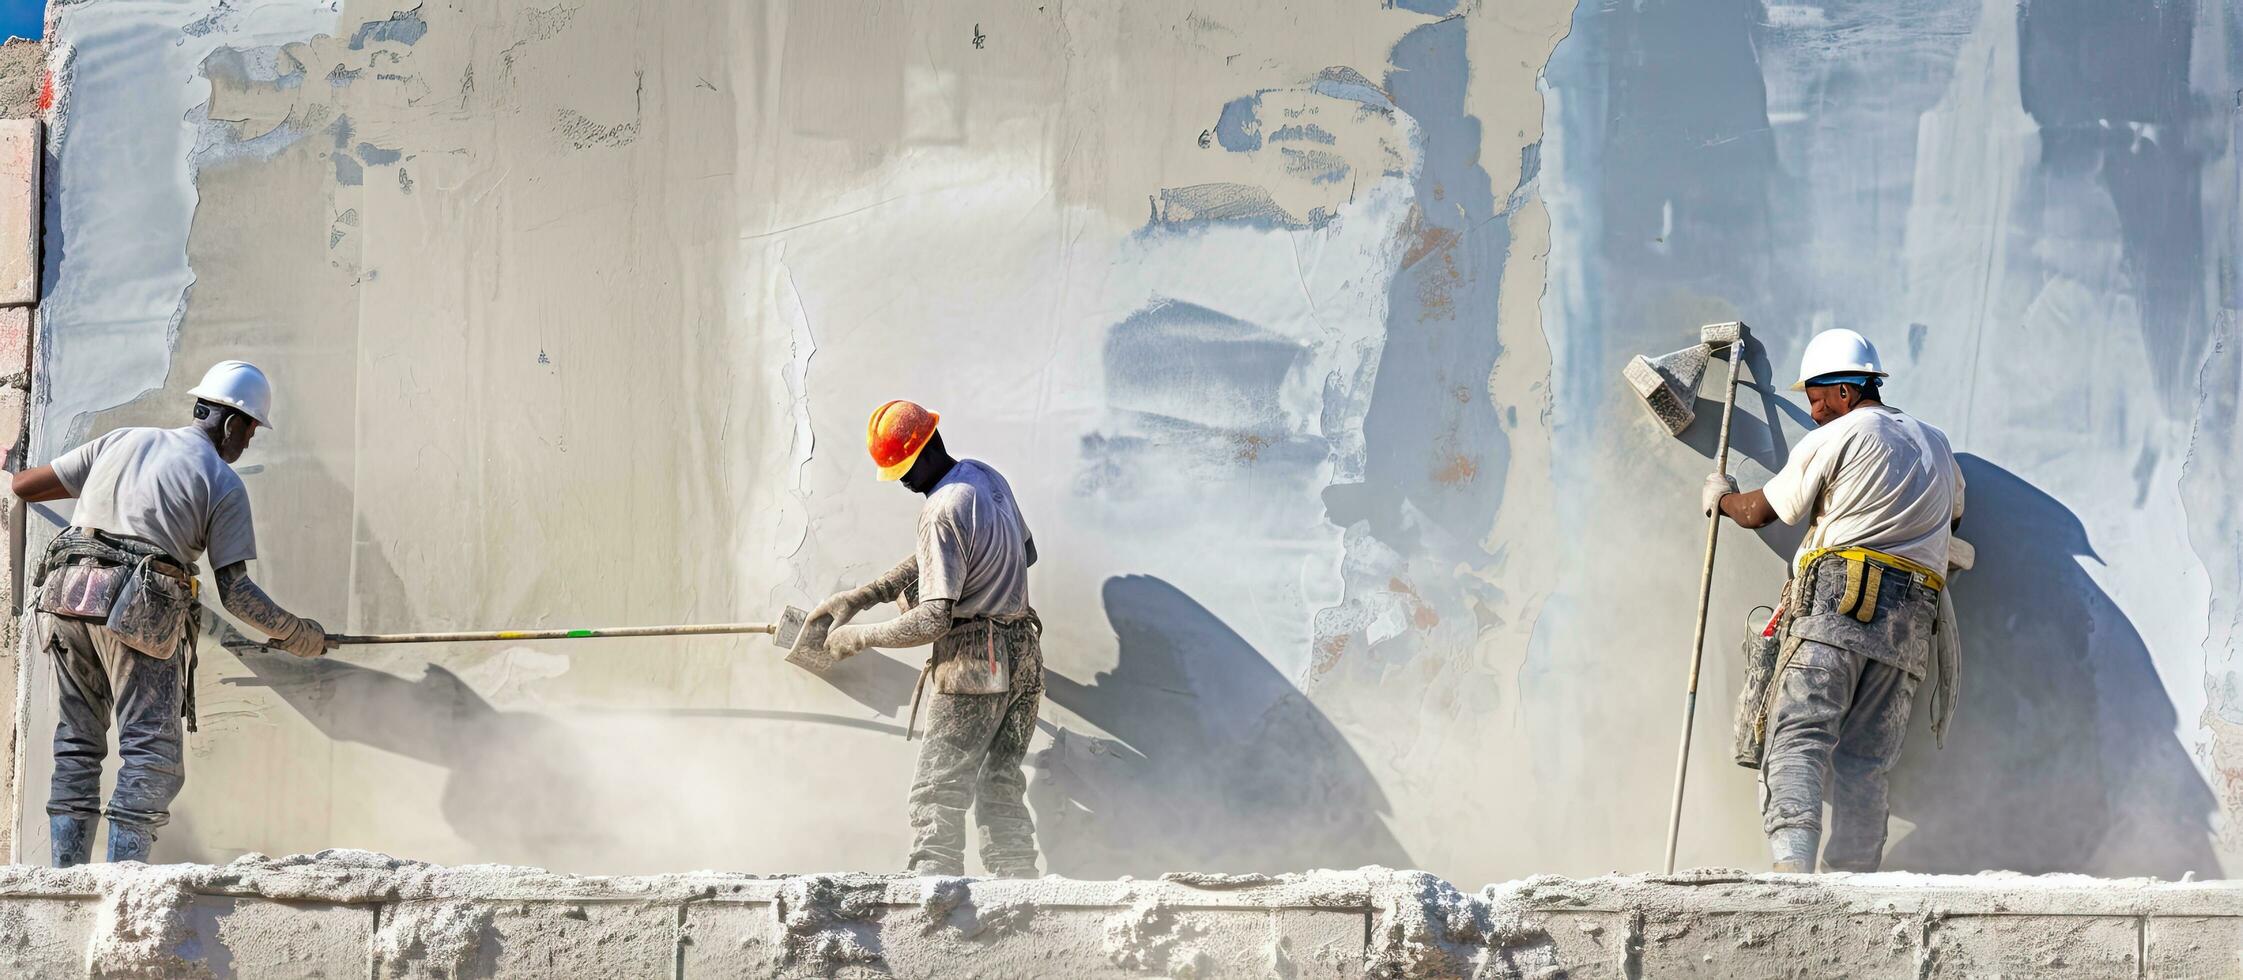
(970,756)
(98,677)
(1838,719)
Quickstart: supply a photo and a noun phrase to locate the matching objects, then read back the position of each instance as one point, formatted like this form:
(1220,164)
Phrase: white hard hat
(1839,351)
(238,384)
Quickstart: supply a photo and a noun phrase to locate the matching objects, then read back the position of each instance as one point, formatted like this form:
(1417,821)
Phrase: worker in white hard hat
(117,605)
(1881,494)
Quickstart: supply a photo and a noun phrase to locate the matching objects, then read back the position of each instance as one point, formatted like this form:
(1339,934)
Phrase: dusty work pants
(1838,718)
(970,756)
(97,677)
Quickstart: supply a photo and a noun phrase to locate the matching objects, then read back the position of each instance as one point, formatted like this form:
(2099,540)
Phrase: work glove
(835,612)
(306,640)
(848,641)
(1718,485)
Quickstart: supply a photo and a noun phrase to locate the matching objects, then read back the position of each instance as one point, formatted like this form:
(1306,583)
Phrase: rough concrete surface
(23,69)
(21,153)
(357,914)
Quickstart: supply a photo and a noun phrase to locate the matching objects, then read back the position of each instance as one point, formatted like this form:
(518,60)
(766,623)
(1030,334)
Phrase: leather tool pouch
(150,614)
(82,588)
(1763,638)
(972,659)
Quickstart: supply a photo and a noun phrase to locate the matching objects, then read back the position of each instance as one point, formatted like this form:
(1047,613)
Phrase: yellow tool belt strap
(1865,576)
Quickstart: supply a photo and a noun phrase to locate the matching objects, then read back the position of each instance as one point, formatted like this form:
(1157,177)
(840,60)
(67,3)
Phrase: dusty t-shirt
(1886,482)
(166,485)
(973,544)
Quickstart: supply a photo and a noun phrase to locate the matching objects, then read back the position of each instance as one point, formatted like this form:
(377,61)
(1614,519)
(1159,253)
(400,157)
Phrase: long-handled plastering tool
(783,633)
(1669,389)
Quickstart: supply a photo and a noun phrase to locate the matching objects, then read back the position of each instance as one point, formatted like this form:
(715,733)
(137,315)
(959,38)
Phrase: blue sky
(21,18)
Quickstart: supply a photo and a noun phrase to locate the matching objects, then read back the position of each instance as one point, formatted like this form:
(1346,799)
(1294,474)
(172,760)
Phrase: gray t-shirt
(973,544)
(168,486)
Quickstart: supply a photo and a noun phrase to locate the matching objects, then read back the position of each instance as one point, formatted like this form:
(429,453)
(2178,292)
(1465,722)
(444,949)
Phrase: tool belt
(129,585)
(975,657)
(1869,573)
(120,581)
(1866,569)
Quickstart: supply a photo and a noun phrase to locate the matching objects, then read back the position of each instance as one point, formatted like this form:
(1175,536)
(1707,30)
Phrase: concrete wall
(353,914)
(22,156)
(1297,328)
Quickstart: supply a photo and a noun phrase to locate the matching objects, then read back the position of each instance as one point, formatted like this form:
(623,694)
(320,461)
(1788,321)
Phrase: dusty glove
(848,641)
(835,612)
(1718,485)
(308,639)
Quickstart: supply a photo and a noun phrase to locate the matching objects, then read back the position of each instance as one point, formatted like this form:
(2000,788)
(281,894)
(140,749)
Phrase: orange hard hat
(895,435)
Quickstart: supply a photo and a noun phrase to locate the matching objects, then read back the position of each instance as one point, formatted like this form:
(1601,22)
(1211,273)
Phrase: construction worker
(965,590)
(1881,494)
(117,606)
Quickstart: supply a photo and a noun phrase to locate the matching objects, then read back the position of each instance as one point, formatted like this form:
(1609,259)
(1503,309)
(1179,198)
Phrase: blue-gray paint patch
(375,156)
(347,171)
(2109,85)
(1341,82)
(404,27)
(1433,441)
(1317,166)
(1239,128)
(241,68)
(1308,132)
(1240,204)
(1190,362)
(1438,8)
(1194,390)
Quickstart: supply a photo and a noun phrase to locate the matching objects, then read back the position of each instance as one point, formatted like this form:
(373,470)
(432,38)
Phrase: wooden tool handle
(706,629)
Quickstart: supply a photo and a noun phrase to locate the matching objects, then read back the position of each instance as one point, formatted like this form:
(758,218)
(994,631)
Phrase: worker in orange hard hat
(964,590)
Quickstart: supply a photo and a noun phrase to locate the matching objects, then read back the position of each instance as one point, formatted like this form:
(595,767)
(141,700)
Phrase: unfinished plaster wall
(1295,326)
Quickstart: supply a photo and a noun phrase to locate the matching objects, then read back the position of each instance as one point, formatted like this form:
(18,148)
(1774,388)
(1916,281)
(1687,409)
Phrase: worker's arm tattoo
(924,624)
(892,582)
(244,599)
(1749,509)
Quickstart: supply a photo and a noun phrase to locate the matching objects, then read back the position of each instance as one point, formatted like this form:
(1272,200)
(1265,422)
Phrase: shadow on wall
(2063,755)
(1216,762)
(511,775)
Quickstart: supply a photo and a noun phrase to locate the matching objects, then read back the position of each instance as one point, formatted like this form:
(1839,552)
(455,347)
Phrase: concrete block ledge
(357,914)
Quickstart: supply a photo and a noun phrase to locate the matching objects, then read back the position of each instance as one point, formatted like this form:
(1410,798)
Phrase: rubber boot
(129,843)
(73,839)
